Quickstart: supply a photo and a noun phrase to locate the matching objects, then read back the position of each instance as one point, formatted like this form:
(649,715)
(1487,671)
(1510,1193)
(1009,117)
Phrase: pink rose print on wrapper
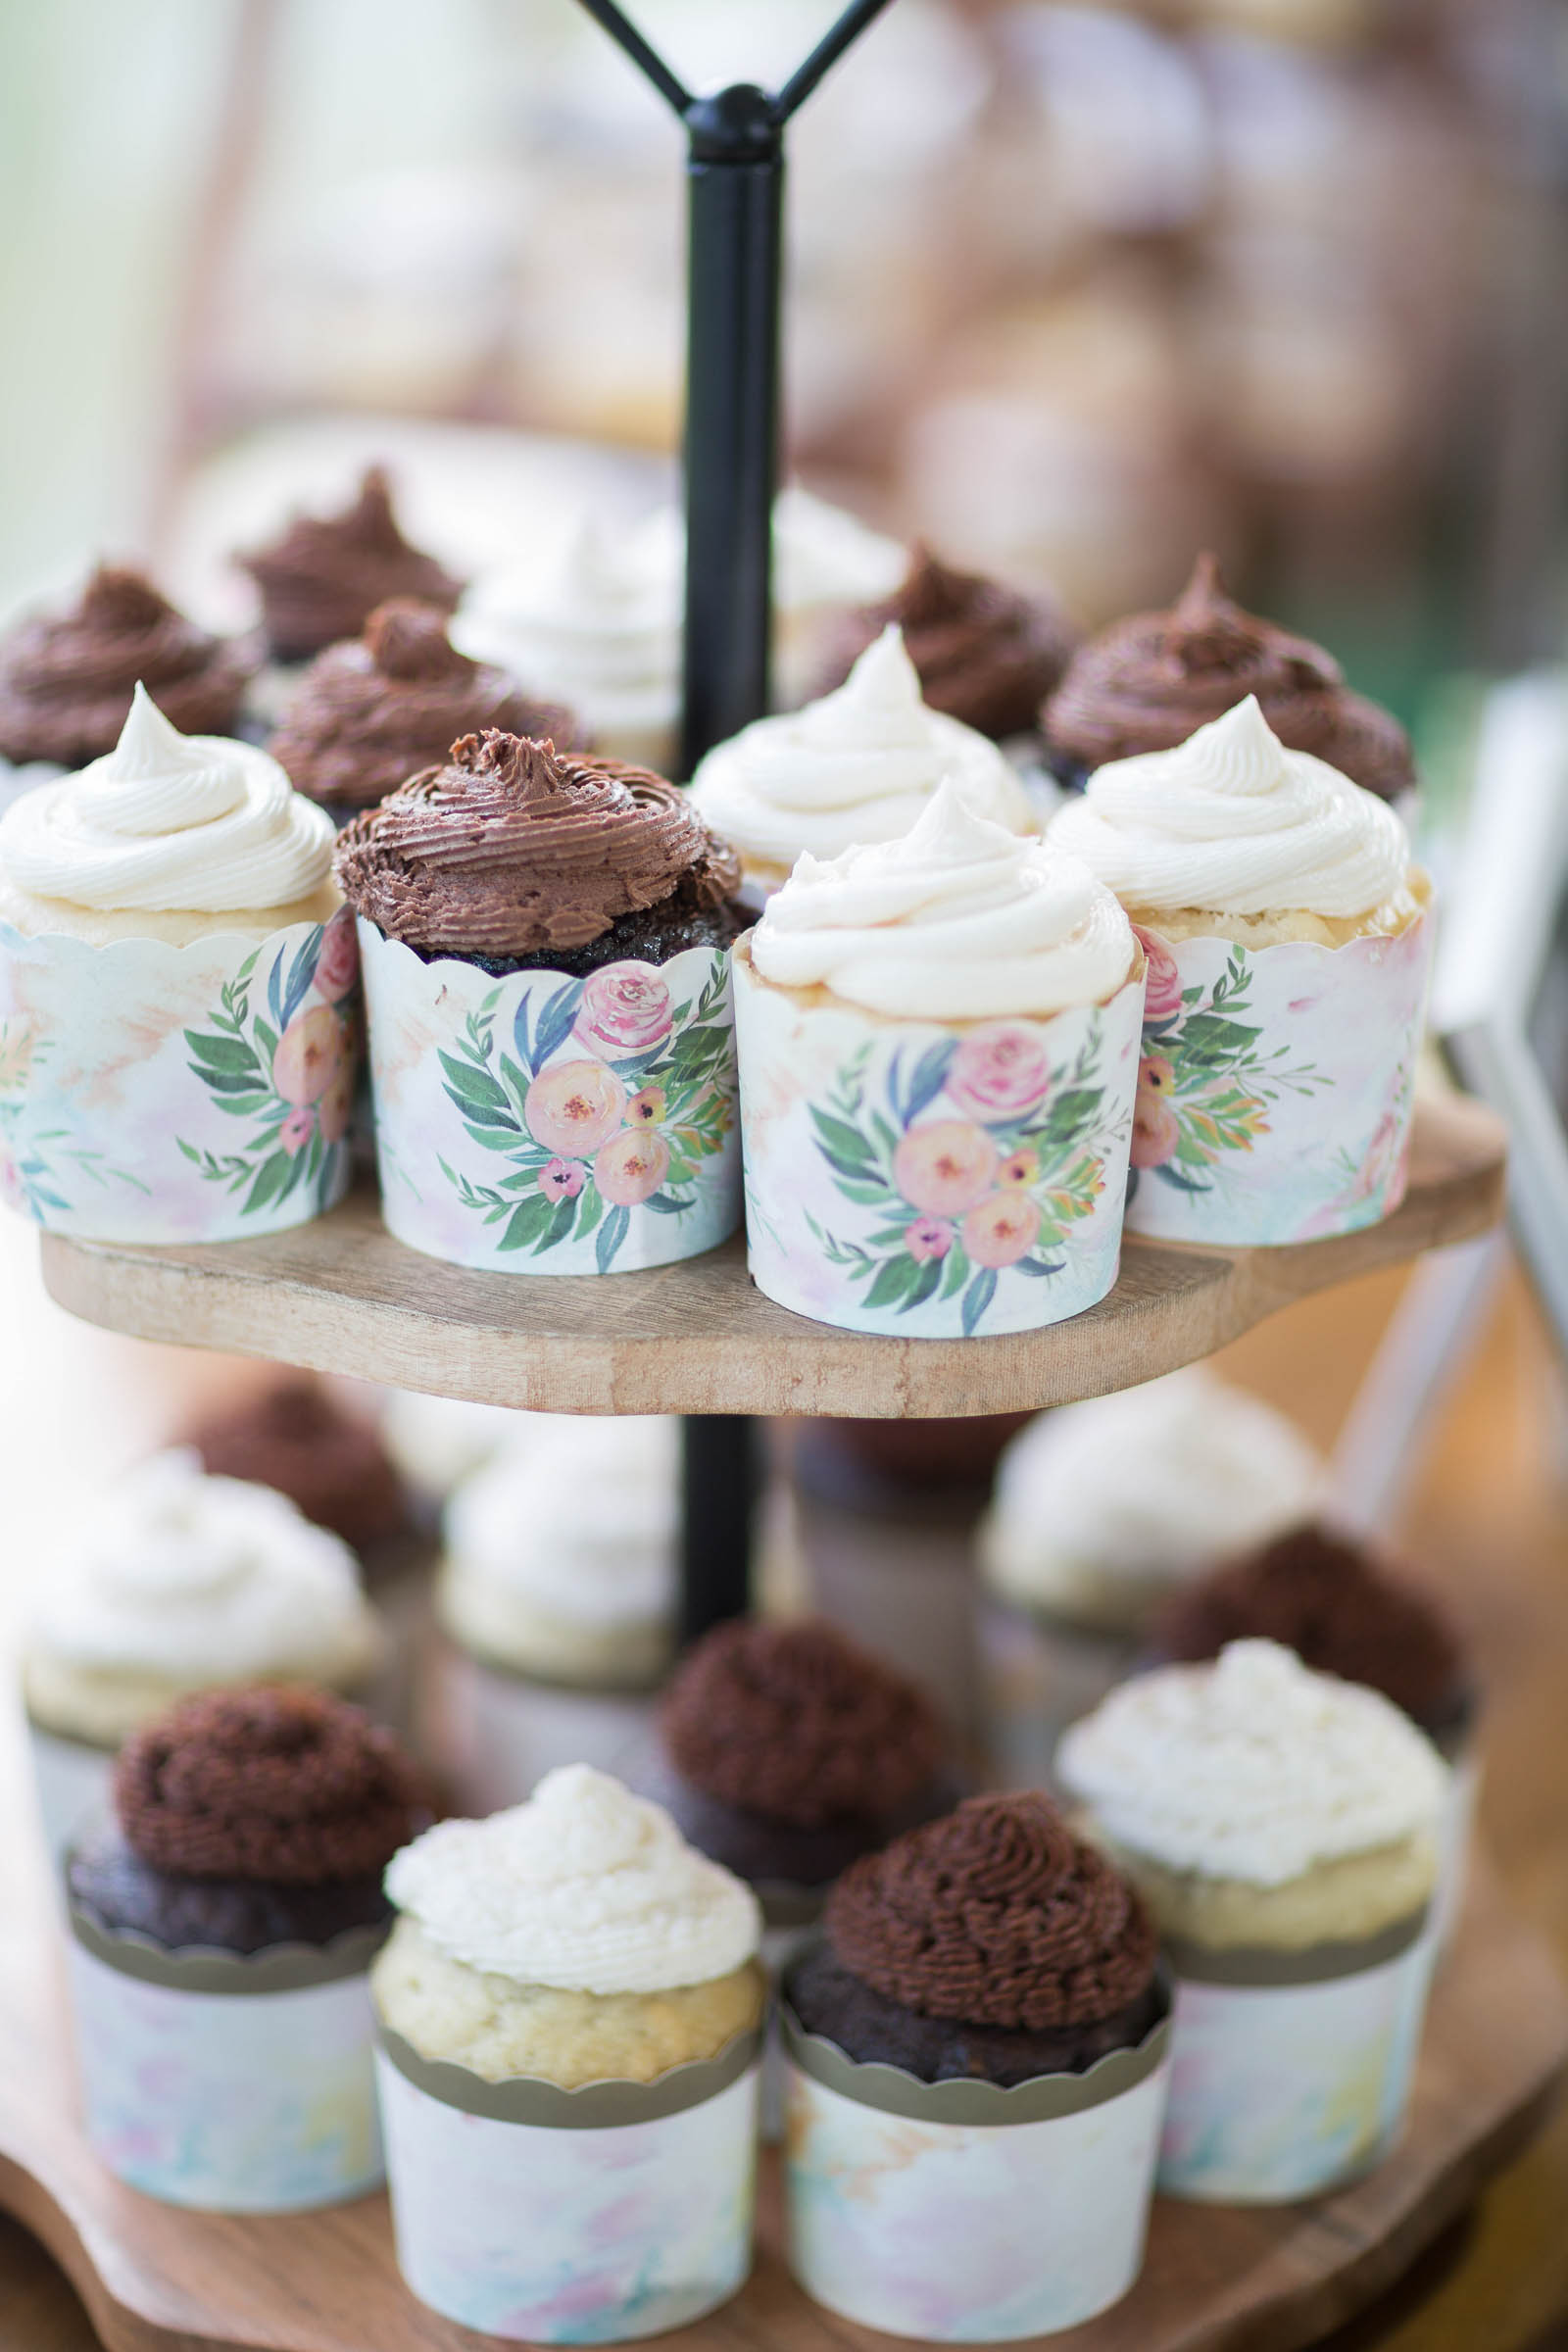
(945,1168)
(647,1107)
(625,1009)
(308,1056)
(336,1107)
(1000,1071)
(1019,1169)
(1156,1130)
(574,1107)
(296,1131)
(1162,988)
(631,1167)
(928,1238)
(563,1179)
(1000,1230)
(337,967)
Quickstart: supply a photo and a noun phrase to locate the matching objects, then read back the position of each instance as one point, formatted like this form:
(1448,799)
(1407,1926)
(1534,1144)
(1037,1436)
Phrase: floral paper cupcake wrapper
(540,1124)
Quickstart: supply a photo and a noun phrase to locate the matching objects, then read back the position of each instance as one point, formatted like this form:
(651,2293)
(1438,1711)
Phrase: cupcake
(860,765)
(977,2074)
(295,1437)
(1287,942)
(172,1582)
(370,713)
(1283,1827)
(545,945)
(179,1036)
(557,1596)
(1148,682)
(437,1441)
(938,1044)
(221,1934)
(569,2016)
(321,580)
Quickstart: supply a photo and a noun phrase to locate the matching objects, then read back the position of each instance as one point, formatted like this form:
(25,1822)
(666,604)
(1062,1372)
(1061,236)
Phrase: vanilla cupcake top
(582,1525)
(585,1887)
(859,766)
(1232,820)
(592,623)
(167,822)
(198,1579)
(960,921)
(1252,1768)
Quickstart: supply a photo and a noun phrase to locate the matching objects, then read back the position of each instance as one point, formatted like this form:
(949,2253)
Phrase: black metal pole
(721,1477)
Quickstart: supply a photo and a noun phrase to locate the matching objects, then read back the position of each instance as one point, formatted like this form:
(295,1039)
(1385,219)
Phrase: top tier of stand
(341,1296)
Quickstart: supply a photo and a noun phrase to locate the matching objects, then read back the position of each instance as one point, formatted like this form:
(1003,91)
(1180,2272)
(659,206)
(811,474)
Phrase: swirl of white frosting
(585,1887)
(1101,1505)
(859,766)
(166,821)
(960,921)
(583,1524)
(199,1578)
(1232,820)
(1254,1768)
(592,623)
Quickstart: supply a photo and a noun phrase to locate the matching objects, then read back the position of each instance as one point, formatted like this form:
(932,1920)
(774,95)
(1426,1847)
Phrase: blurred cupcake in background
(294,1435)
(437,1441)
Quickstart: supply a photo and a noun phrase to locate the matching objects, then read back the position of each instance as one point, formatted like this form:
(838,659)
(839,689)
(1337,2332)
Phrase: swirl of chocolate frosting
(799,1725)
(1147,682)
(985,654)
(321,579)
(294,1437)
(995,1915)
(289,1786)
(67,679)
(371,712)
(514,848)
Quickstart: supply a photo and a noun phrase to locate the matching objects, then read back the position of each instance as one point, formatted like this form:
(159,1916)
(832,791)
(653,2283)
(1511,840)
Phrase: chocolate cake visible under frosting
(293,1436)
(1147,682)
(67,679)
(514,848)
(986,653)
(323,577)
(371,712)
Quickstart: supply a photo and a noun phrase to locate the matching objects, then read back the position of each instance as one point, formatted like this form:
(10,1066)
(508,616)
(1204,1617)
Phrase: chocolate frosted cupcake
(1148,682)
(986,653)
(294,1437)
(323,577)
(371,712)
(67,679)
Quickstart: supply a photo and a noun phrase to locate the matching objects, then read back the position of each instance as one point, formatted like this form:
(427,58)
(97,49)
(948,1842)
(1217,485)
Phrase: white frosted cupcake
(437,1441)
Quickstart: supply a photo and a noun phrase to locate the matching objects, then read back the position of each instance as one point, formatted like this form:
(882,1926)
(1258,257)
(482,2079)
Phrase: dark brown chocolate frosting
(322,579)
(799,1725)
(369,713)
(67,679)
(986,653)
(294,1436)
(1147,682)
(1338,1607)
(289,1786)
(997,1915)
(514,847)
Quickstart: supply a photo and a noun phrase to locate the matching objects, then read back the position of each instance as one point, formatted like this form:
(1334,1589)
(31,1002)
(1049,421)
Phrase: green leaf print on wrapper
(609,1097)
(968,1163)
(41,1168)
(280,1055)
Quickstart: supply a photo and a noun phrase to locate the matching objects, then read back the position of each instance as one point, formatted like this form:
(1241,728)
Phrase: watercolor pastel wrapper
(202,2091)
(588,2217)
(1277,1087)
(498,1733)
(1284,2090)
(151,1092)
(539,1124)
(931,1180)
(910,2209)
(72,1779)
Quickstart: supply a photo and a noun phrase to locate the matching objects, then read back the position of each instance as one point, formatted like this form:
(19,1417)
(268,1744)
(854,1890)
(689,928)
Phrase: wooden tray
(341,1296)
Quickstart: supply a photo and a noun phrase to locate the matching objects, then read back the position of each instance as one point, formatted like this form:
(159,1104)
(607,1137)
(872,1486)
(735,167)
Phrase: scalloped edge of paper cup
(604,2106)
(209,1968)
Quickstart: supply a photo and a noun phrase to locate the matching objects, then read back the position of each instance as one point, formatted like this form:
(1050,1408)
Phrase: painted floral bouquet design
(603,1097)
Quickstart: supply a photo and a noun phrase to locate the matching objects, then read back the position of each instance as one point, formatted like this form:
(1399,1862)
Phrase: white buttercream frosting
(172,1573)
(861,764)
(585,1887)
(592,623)
(166,821)
(583,1524)
(1232,820)
(1254,1768)
(958,920)
(1101,1505)
(824,558)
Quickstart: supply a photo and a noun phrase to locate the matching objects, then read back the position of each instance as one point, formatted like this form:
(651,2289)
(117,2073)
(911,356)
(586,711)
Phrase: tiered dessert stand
(695,1338)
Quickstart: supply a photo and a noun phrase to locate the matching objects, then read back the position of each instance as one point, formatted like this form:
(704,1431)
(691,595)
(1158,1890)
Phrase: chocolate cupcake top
(276,1783)
(1338,1608)
(295,1437)
(997,1915)
(514,847)
(371,712)
(799,1725)
(323,577)
(1147,682)
(67,679)
(986,653)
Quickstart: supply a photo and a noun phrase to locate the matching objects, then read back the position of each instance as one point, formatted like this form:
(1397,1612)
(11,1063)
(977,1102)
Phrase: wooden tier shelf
(342,1295)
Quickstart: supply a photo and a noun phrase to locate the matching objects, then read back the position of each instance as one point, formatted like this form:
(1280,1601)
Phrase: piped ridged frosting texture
(1232,821)
(1254,1768)
(594,622)
(585,1887)
(322,577)
(958,920)
(986,653)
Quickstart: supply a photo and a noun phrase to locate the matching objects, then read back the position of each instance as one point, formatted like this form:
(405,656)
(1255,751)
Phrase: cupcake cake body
(570,2014)
(323,577)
